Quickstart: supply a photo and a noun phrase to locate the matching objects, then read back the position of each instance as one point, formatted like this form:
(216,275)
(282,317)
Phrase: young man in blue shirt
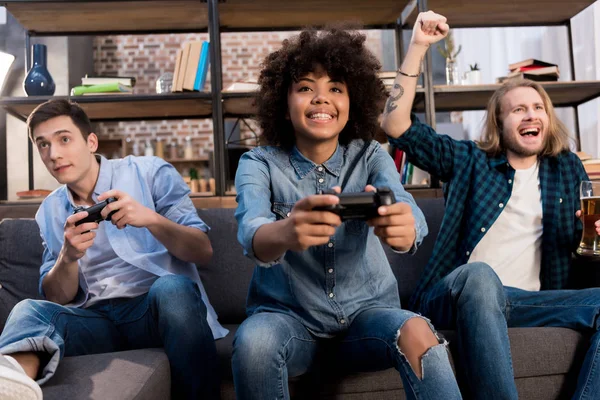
(319,283)
(126,283)
(502,257)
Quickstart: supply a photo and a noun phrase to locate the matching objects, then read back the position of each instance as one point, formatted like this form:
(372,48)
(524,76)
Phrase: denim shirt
(326,286)
(153,183)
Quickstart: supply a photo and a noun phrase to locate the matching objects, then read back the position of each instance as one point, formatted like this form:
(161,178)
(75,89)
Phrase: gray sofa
(546,360)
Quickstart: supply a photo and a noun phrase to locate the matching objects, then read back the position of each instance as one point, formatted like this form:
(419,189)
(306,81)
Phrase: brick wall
(148,56)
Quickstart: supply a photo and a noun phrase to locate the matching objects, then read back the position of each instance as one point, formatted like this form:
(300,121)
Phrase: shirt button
(329,244)
(331,295)
(321,180)
(500,205)
(330,270)
(288,214)
(510,181)
(560,200)
(320,169)
(482,229)
(468,252)
(342,321)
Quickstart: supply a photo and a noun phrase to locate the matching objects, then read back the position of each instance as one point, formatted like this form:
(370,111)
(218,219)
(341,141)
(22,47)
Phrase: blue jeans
(171,315)
(270,347)
(473,301)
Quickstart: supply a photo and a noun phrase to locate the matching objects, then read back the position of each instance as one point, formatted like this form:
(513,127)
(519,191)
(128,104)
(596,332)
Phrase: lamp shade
(6,61)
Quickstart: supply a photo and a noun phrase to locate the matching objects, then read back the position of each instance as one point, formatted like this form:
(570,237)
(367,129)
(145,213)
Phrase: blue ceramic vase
(38,81)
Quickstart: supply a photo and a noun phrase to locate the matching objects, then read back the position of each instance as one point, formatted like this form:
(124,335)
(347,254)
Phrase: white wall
(586,38)
(16,131)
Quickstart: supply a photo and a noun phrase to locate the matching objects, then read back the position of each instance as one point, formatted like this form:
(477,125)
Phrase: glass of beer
(590,213)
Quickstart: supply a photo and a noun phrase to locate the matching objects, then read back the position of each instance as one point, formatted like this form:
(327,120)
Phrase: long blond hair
(491,140)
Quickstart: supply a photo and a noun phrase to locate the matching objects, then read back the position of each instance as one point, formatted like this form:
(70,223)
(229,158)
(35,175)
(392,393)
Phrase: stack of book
(191,67)
(104,85)
(532,69)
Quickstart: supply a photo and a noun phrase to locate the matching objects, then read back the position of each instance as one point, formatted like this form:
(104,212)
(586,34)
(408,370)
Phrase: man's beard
(509,142)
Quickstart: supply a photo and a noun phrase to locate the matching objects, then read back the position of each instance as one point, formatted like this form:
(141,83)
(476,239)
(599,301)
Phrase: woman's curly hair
(344,57)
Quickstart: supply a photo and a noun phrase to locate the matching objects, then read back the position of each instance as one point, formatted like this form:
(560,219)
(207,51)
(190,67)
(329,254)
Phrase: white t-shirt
(513,244)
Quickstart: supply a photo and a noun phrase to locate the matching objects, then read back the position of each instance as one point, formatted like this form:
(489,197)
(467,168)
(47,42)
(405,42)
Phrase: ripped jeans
(270,347)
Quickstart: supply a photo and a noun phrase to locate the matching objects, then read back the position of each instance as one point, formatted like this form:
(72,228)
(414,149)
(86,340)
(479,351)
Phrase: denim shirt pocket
(282,210)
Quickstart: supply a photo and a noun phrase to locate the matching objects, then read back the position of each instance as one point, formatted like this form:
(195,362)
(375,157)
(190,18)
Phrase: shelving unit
(79,17)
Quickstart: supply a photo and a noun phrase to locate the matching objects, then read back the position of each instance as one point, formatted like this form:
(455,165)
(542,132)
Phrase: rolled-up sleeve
(253,186)
(382,172)
(172,196)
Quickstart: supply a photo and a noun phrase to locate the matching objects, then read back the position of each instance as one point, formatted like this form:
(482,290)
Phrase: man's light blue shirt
(326,286)
(153,183)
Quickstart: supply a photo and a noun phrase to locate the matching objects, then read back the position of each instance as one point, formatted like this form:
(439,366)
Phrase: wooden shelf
(54,17)
(270,14)
(79,17)
(238,104)
(488,13)
(186,160)
(124,107)
(475,97)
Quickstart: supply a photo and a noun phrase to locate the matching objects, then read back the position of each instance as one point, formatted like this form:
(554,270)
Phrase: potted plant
(473,76)
(449,52)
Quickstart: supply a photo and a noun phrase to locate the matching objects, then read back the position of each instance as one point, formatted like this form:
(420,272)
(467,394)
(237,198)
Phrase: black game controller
(361,206)
(94,212)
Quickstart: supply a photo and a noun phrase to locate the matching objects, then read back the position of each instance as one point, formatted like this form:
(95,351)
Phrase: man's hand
(129,211)
(77,238)
(396,225)
(597,223)
(306,228)
(429,28)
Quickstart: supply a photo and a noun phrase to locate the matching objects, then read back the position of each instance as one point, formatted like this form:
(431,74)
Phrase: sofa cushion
(20,259)
(227,277)
(407,267)
(127,375)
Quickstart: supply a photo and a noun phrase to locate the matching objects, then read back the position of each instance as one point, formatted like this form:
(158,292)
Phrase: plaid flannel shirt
(477,186)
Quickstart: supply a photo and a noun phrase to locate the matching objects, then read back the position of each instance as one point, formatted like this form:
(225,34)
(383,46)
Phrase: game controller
(94,212)
(361,206)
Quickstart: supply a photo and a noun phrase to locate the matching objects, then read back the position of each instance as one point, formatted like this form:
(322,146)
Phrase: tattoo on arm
(396,93)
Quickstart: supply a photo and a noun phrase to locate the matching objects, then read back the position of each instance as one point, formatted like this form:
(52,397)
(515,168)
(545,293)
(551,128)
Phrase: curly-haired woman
(323,292)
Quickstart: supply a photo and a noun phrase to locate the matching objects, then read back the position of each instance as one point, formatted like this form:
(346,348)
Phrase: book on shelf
(185,56)
(524,75)
(176,73)
(203,65)
(553,71)
(105,88)
(531,62)
(243,86)
(191,67)
(98,80)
